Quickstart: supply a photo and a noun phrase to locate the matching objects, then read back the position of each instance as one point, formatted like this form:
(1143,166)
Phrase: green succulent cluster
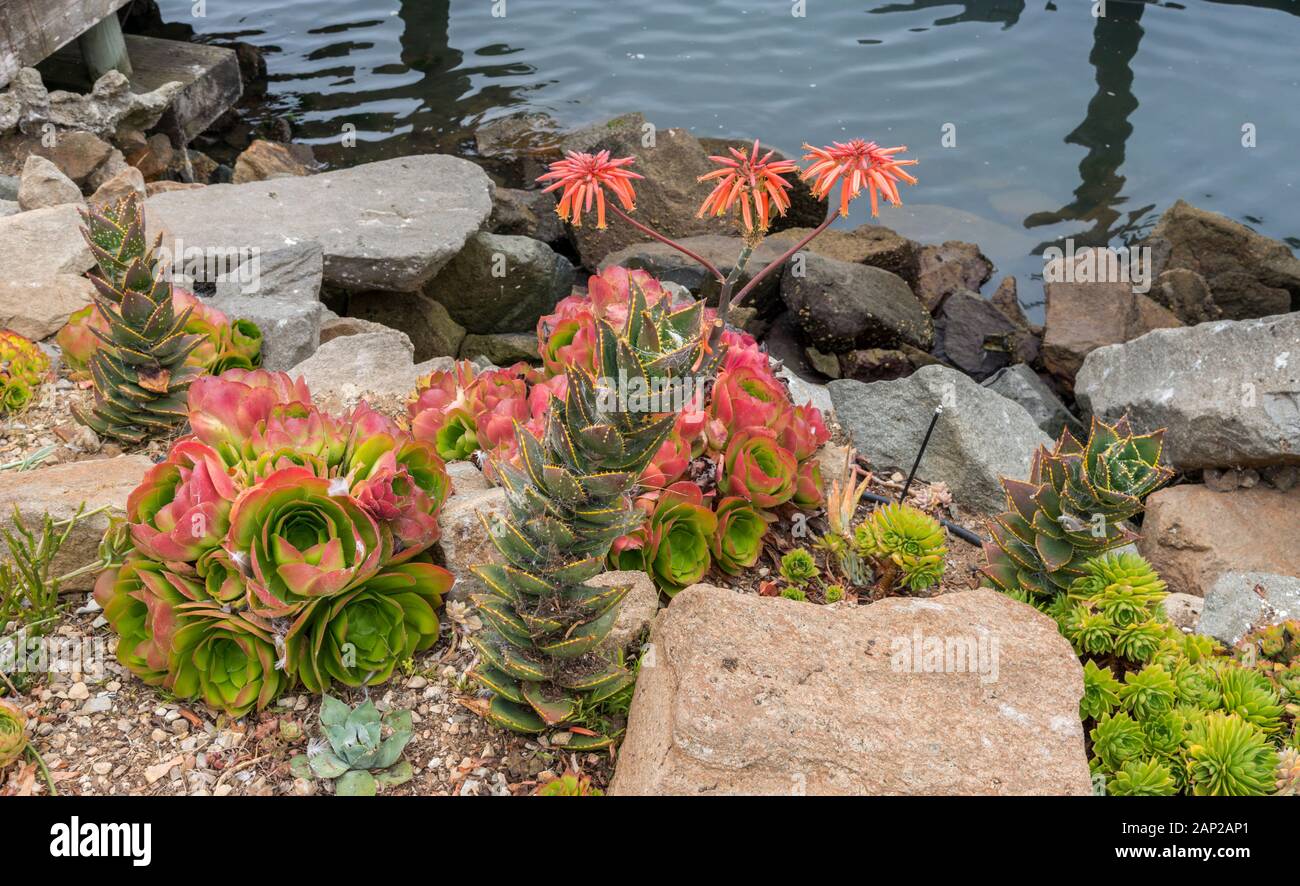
(570,785)
(1275,652)
(1114,608)
(356,754)
(23,366)
(905,545)
(1071,509)
(13,733)
(567,504)
(799,567)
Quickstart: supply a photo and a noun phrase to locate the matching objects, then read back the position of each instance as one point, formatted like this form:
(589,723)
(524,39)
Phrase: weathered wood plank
(31,30)
(210,75)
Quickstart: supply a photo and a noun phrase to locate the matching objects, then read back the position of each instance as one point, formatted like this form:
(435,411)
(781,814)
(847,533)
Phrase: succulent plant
(841,541)
(278,546)
(1288,773)
(570,785)
(13,733)
(678,535)
(1148,692)
(1249,694)
(356,753)
(757,468)
(738,540)
(1228,757)
(799,567)
(23,366)
(906,543)
(1072,508)
(1100,691)
(834,593)
(1117,739)
(1143,778)
(797,594)
(140,370)
(567,504)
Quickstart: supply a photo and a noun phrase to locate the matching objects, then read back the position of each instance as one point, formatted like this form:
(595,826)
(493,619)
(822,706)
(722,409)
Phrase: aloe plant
(358,758)
(567,504)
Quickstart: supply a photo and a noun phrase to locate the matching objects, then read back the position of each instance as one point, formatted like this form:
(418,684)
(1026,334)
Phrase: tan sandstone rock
(753,695)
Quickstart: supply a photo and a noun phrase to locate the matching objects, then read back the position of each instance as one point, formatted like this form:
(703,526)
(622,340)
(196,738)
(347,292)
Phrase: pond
(1034,121)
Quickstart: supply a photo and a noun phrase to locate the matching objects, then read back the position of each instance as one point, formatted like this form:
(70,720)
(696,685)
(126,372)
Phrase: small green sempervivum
(1229,757)
(567,503)
(907,544)
(570,785)
(359,757)
(13,733)
(834,593)
(1275,652)
(1148,692)
(738,540)
(1249,694)
(1100,691)
(140,371)
(1117,739)
(23,365)
(797,594)
(799,567)
(1072,508)
(1143,778)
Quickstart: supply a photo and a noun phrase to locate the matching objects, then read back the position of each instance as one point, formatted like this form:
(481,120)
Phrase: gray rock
(1229,392)
(1239,602)
(372,366)
(1186,294)
(502,349)
(108,105)
(126,182)
(44,184)
(466,478)
(972,334)
(840,305)
(1184,611)
(8,207)
(42,243)
(464,541)
(39,308)
(1023,385)
(636,611)
(294,273)
(866,244)
(1250,275)
(9,185)
(668,265)
(432,330)
(390,225)
(803,391)
(875,364)
(526,214)
(951,267)
(290,329)
(501,283)
(980,437)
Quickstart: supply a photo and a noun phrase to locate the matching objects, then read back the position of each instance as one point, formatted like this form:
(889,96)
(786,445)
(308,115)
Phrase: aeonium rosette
(273,520)
(757,468)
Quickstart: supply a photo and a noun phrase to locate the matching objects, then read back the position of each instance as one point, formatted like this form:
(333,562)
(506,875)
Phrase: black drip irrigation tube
(960,531)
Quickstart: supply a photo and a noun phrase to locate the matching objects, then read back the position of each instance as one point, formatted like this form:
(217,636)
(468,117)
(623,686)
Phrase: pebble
(97,705)
(78,692)
(102,768)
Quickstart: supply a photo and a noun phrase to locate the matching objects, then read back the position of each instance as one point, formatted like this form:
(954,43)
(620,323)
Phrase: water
(1066,124)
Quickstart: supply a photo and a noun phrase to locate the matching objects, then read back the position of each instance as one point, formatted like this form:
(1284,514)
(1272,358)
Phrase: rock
(1191,534)
(1229,391)
(635,613)
(1281,476)
(1006,300)
(972,334)
(373,366)
(762,695)
(466,478)
(9,185)
(294,273)
(1184,611)
(77,154)
(163,187)
(290,328)
(866,245)
(805,211)
(8,207)
(109,105)
(526,214)
(390,225)
(44,185)
(875,364)
(333,327)
(114,166)
(827,364)
(432,330)
(264,160)
(501,284)
(1249,274)
(840,306)
(980,436)
(1187,296)
(39,308)
(153,158)
(666,199)
(803,391)
(1082,317)
(42,243)
(58,490)
(668,265)
(502,349)
(465,543)
(952,267)
(128,181)
(1239,602)
(1022,384)
(517,147)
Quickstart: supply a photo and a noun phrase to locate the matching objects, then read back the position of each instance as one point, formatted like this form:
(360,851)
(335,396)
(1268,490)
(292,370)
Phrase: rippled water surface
(1066,124)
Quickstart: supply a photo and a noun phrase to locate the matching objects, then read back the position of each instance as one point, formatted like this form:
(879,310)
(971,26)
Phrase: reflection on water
(1067,125)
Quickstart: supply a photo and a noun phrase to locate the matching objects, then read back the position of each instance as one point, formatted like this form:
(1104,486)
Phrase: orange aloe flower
(753,181)
(857,164)
(584,178)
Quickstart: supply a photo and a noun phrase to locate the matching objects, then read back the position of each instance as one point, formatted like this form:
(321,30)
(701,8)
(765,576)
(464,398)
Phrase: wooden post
(103,48)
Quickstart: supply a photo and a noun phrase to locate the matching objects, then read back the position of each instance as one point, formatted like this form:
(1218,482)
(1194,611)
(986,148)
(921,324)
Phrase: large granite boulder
(968,693)
(38,308)
(390,225)
(41,243)
(980,437)
(1228,392)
